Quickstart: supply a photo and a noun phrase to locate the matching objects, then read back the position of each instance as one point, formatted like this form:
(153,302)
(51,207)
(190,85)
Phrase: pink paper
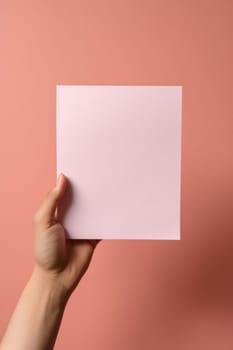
(120,148)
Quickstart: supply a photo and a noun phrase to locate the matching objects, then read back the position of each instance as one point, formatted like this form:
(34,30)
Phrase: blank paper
(120,149)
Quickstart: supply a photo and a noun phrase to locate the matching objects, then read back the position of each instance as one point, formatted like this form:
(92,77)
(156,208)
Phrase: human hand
(59,265)
(58,259)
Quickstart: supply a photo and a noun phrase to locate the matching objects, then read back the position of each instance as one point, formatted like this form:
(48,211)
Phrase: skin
(59,265)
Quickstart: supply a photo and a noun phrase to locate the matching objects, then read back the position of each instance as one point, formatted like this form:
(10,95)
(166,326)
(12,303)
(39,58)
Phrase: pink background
(136,294)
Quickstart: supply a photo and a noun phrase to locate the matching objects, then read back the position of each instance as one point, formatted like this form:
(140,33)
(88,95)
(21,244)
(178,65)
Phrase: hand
(61,260)
(59,265)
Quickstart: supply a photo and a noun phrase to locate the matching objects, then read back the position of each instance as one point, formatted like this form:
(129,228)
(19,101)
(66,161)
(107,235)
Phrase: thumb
(45,214)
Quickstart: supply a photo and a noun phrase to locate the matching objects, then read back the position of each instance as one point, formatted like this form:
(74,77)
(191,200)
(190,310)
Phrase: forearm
(35,322)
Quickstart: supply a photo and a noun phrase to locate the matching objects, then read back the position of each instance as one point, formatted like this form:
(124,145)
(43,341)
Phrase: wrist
(47,282)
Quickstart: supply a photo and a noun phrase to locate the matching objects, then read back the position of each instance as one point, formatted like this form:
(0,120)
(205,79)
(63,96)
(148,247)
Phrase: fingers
(45,215)
(94,242)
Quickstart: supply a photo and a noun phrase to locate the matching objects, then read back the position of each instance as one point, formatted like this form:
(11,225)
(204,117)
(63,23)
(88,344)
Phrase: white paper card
(120,149)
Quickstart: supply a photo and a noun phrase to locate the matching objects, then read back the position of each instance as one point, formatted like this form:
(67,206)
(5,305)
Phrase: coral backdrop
(137,294)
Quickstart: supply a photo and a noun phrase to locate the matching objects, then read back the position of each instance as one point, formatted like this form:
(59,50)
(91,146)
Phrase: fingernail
(58,183)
